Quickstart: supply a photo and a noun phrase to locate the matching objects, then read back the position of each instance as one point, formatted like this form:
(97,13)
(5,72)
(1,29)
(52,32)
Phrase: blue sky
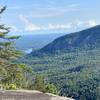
(50,16)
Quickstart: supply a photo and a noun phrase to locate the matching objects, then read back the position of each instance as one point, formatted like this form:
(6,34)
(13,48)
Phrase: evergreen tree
(10,73)
(98,93)
(39,83)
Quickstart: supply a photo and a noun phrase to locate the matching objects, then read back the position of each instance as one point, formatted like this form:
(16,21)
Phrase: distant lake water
(28,50)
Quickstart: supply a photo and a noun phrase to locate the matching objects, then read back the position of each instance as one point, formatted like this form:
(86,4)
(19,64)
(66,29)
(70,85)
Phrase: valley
(49,50)
(71,62)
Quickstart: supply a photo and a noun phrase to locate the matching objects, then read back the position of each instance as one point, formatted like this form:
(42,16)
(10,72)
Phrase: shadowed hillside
(84,40)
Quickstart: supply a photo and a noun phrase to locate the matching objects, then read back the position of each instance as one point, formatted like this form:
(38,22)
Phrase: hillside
(29,95)
(38,61)
(84,40)
(76,74)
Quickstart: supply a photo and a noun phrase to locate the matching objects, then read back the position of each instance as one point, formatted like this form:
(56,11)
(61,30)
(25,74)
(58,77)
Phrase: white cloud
(28,25)
(12,28)
(59,26)
(79,23)
(85,23)
(92,23)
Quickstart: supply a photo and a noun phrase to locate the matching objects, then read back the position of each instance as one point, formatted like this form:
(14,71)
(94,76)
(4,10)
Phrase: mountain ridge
(86,39)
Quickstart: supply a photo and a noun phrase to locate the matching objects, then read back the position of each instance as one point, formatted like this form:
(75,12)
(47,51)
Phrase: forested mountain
(75,74)
(67,65)
(87,39)
(71,63)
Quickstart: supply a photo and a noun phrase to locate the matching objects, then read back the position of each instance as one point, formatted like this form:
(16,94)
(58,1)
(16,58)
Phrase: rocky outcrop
(29,95)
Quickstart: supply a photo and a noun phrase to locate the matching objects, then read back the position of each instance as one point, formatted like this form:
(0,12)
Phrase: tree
(10,73)
(39,83)
(43,86)
(98,93)
(50,88)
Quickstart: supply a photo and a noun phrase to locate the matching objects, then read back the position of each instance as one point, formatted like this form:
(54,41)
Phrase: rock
(28,95)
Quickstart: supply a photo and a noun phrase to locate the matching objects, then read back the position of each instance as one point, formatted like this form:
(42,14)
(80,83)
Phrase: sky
(50,16)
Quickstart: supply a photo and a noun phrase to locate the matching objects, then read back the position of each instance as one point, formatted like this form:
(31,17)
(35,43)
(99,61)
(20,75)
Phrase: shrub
(50,88)
(11,87)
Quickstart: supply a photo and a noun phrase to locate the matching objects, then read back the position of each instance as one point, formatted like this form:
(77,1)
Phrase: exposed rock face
(29,95)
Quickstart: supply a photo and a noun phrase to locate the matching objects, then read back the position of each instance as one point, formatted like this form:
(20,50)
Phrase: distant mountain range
(87,39)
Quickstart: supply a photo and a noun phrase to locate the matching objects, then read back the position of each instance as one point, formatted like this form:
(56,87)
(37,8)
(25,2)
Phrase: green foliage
(39,83)
(98,93)
(42,85)
(13,75)
(50,88)
(11,87)
(2,9)
(75,74)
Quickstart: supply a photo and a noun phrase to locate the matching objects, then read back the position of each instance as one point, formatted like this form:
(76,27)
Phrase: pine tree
(39,83)
(10,73)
